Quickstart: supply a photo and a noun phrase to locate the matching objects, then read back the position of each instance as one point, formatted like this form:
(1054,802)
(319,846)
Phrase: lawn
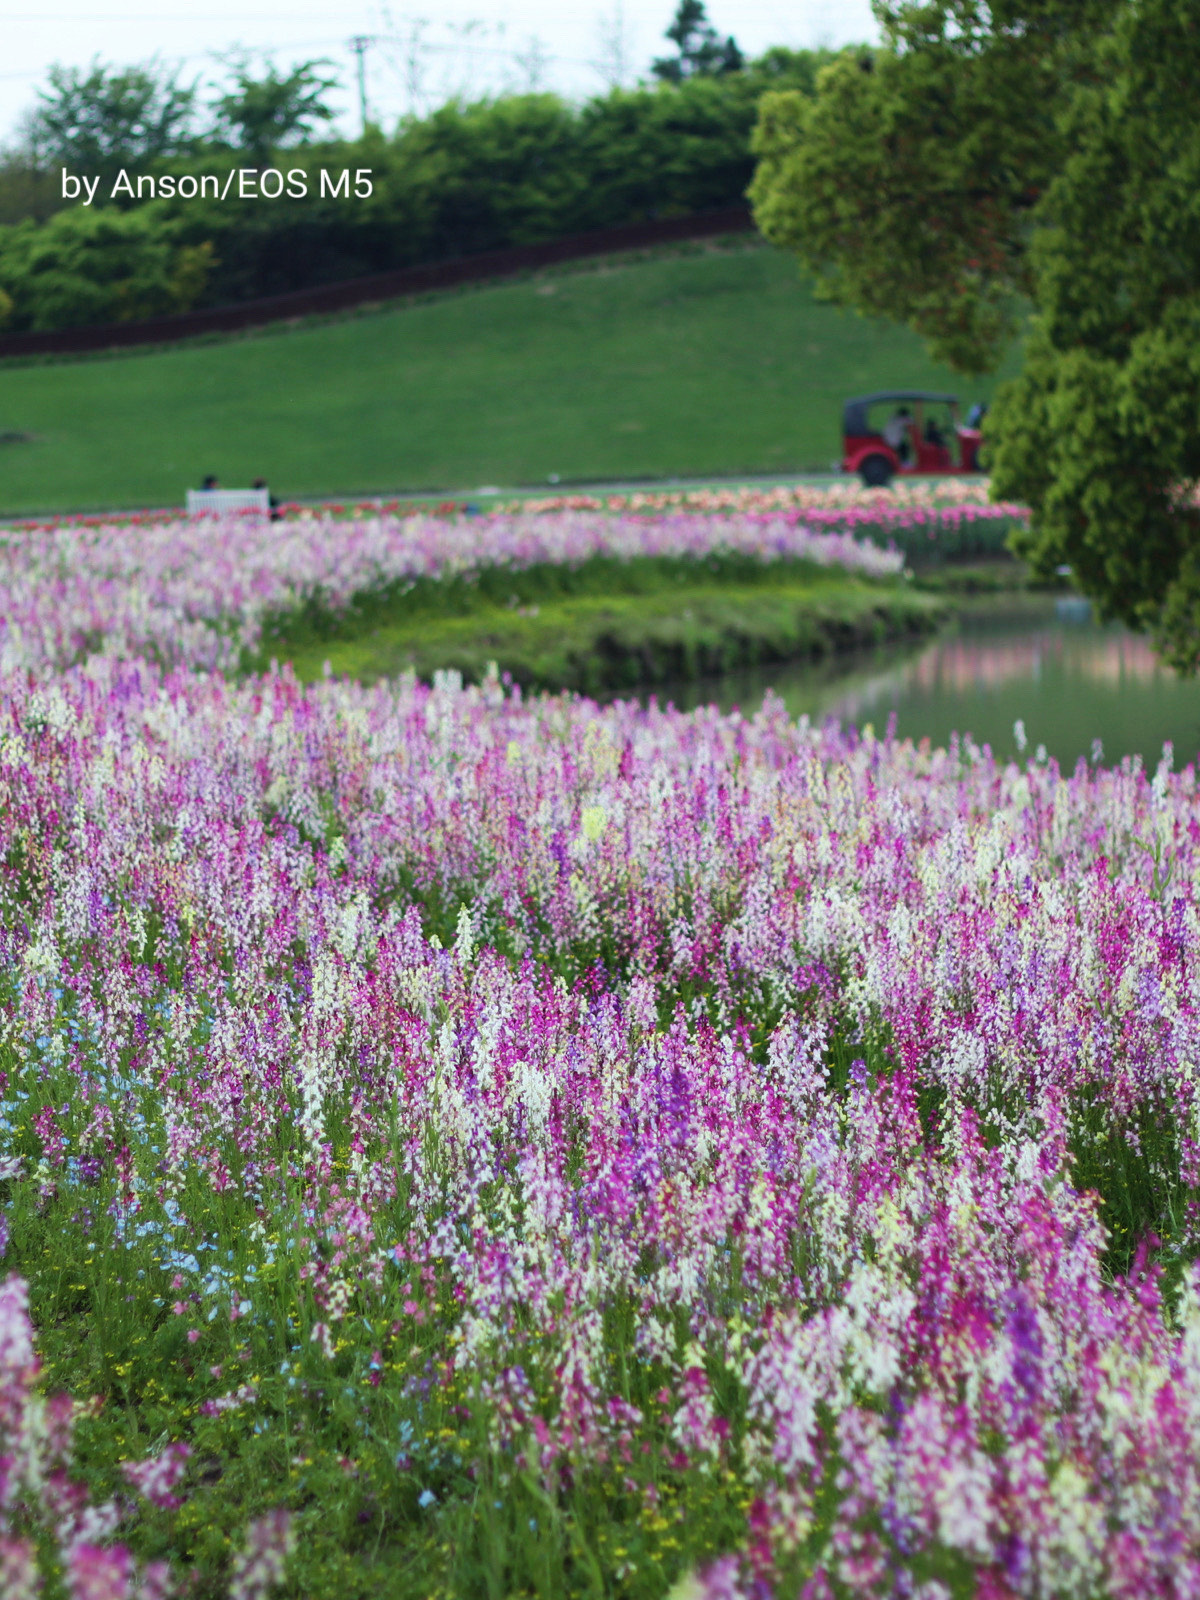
(711,362)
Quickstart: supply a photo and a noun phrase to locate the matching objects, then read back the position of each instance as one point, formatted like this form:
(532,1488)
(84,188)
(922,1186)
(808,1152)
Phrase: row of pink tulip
(942,494)
(842,501)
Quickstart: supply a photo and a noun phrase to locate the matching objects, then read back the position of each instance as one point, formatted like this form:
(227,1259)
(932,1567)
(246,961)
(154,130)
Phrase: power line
(156,16)
(484,50)
(455,48)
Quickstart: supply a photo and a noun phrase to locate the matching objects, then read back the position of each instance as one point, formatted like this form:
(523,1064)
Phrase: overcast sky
(418,55)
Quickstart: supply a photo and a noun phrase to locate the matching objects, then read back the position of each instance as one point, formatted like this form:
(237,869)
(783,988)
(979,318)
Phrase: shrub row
(468,178)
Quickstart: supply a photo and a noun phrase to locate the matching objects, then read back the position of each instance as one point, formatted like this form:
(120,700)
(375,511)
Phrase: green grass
(708,363)
(997,575)
(602,626)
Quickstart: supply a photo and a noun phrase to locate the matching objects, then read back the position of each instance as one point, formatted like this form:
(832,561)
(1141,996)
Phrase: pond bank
(625,641)
(1042,660)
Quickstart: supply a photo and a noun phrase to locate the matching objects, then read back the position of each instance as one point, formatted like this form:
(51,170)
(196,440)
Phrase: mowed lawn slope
(714,362)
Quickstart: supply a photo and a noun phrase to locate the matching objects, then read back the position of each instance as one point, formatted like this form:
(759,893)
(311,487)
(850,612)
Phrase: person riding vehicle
(921,436)
(897,431)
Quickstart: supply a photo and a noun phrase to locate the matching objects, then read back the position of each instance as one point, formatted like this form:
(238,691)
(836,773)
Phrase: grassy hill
(714,361)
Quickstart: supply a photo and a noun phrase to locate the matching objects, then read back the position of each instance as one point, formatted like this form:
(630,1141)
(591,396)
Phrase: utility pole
(359,45)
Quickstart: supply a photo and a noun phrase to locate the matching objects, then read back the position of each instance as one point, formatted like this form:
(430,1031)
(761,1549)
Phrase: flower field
(197,592)
(455,1143)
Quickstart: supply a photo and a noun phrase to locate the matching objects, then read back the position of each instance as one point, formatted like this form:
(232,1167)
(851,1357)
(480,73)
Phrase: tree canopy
(107,118)
(1031,166)
(266,112)
(701,52)
(98,265)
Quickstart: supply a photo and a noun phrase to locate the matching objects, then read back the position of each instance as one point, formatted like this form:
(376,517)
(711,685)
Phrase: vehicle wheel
(876,472)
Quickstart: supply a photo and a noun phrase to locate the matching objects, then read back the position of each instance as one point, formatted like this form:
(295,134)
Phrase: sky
(414,58)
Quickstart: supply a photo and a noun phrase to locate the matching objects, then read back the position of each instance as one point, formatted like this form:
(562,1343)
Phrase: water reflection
(1048,663)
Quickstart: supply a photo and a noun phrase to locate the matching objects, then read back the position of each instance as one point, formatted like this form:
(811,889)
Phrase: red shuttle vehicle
(906,433)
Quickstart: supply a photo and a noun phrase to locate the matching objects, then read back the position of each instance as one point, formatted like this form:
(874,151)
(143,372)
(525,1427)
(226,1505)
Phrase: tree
(908,183)
(1101,432)
(614,51)
(95,265)
(702,53)
(28,186)
(783,68)
(1044,154)
(262,114)
(101,120)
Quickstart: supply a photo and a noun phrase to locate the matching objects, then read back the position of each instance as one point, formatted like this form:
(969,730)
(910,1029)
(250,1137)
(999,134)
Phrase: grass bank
(603,626)
(711,363)
(1000,575)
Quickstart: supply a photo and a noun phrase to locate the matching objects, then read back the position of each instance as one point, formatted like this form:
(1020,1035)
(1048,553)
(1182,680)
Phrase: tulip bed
(455,1143)
(927,519)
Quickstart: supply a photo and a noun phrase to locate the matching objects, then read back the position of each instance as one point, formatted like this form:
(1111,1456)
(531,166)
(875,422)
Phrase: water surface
(1044,661)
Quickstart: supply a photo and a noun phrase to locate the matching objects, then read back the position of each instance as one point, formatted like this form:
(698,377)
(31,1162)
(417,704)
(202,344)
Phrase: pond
(1042,660)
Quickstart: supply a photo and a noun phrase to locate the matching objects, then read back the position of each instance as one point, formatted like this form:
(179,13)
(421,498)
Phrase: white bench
(220,502)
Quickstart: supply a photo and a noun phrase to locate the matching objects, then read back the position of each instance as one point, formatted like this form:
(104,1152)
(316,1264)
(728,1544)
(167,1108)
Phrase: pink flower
(263,1562)
(97,1574)
(157,1477)
(19,1578)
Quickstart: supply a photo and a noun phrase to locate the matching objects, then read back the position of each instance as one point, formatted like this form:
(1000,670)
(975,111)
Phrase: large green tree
(261,114)
(105,118)
(1044,154)
(701,52)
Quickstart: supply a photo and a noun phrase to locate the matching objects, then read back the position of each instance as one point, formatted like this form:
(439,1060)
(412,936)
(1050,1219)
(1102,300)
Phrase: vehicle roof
(902,394)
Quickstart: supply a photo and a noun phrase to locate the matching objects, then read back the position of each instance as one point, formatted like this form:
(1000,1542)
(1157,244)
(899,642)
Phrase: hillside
(712,361)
